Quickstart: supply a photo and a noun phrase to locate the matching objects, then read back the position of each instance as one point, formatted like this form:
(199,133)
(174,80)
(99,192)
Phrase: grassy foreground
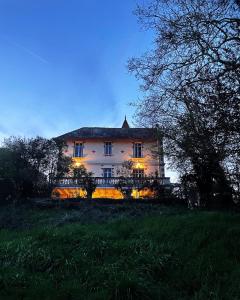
(164,256)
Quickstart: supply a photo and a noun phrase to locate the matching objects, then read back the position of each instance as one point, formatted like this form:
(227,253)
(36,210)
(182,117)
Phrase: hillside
(162,255)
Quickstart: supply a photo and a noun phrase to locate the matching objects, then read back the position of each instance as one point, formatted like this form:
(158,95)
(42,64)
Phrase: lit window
(137,150)
(78,149)
(138,173)
(108,148)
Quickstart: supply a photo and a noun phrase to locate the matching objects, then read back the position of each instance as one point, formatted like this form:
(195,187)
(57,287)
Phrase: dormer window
(78,149)
(108,148)
(137,150)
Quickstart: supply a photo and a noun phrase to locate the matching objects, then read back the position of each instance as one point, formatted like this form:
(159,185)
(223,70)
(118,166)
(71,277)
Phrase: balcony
(108,182)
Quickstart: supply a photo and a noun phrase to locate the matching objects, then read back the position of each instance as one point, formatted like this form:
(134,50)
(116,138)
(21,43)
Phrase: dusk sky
(64,64)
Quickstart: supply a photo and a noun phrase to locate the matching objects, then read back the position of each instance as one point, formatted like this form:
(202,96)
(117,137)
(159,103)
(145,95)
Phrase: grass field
(140,253)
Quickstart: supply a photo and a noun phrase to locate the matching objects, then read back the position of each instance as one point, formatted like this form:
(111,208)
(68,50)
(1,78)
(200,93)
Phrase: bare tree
(191,84)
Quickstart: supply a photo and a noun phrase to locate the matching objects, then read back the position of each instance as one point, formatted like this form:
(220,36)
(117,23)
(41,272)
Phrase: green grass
(167,256)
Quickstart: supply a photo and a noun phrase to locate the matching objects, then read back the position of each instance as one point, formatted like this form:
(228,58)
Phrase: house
(103,151)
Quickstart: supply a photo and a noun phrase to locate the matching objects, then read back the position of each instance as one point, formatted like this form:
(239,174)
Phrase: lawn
(122,252)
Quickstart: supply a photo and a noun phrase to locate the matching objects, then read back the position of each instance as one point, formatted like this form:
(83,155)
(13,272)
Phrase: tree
(191,84)
(85,179)
(7,163)
(32,164)
(7,173)
(125,183)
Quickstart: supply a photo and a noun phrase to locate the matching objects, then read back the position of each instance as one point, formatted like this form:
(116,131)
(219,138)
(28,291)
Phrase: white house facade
(104,150)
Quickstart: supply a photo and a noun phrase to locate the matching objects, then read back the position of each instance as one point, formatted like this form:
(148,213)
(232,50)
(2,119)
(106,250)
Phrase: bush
(28,166)
(7,191)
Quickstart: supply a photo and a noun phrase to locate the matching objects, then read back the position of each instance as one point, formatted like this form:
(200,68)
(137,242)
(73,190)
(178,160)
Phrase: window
(107,172)
(78,149)
(137,150)
(108,148)
(138,173)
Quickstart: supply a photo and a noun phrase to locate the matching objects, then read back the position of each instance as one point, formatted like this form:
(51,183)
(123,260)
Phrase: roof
(119,133)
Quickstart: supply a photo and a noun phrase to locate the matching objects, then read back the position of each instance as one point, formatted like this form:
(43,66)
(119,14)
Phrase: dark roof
(100,132)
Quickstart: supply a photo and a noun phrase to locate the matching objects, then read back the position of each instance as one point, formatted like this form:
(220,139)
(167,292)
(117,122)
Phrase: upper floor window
(108,148)
(78,149)
(138,173)
(137,150)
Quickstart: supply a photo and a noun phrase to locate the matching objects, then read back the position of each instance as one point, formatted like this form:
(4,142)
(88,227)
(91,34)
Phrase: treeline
(28,167)
(191,84)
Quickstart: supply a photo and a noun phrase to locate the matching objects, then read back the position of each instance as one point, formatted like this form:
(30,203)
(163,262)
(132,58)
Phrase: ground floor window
(107,172)
(138,173)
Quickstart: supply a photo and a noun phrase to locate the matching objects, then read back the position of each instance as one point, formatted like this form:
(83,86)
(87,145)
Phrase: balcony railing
(111,181)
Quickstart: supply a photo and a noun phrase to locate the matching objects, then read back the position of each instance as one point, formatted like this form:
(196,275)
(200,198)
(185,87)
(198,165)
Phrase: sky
(63,65)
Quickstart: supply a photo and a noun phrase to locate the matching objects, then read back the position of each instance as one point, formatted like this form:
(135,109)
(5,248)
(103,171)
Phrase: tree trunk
(204,184)
(223,188)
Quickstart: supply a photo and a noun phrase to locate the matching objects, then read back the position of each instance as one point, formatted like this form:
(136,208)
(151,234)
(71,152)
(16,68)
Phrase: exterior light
(139,166)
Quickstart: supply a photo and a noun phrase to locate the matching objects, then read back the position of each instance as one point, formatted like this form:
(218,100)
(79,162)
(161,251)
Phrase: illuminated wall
(145,193)
(111,193)
(95,160)
(64,193)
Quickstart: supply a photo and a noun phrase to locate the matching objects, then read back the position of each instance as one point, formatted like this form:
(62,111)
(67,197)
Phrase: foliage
(7,190)
(189,190)
(126,169)
(32,164)
(85,179)
(125,186)
(125,183)
(191,84)
(172,256)
(161,192)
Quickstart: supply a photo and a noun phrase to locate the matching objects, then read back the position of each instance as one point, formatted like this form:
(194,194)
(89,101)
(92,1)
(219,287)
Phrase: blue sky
(63,64)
